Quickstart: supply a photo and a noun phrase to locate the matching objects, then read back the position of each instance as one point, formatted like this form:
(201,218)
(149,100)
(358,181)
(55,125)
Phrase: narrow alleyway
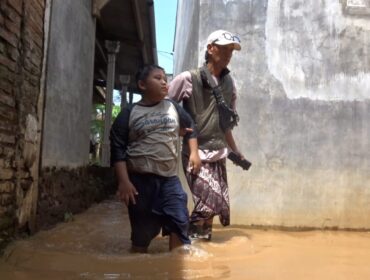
(94,245)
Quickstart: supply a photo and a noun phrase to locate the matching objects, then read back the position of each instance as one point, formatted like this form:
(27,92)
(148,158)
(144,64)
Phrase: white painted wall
(69,84)
(304,102)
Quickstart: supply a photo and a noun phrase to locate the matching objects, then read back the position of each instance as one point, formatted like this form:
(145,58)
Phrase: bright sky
(165,22)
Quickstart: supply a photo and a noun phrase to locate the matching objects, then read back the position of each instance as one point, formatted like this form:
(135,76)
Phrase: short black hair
(144,72)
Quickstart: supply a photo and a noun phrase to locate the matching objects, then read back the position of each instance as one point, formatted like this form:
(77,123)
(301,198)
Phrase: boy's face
(155,86)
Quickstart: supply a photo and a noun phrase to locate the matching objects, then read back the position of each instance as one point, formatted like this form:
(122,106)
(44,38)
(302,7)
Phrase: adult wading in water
(203,91)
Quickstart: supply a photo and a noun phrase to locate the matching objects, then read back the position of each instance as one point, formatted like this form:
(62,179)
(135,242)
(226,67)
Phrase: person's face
(221,55)
(155,86)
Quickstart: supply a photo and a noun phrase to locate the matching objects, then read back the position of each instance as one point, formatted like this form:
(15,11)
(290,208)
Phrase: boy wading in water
(144,155)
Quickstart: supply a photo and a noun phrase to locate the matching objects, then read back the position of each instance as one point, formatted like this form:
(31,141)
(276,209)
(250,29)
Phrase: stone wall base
(64,192)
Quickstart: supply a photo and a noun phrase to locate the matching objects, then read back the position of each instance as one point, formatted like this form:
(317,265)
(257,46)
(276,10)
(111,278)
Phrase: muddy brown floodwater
(95,246)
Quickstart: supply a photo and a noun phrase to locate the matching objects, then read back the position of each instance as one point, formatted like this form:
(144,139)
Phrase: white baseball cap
(223,37)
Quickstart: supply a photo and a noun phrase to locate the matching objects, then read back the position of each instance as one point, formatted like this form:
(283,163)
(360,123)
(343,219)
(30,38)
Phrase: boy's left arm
(187,126)
(194,159)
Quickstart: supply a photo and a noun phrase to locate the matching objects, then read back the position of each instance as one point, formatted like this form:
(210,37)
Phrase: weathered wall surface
(304,102)
(187,28)
(67,184)
(21,48)
(69,83)
(46,59)
(65,192)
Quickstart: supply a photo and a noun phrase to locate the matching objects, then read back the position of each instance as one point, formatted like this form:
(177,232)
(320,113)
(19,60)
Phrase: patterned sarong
(209,190)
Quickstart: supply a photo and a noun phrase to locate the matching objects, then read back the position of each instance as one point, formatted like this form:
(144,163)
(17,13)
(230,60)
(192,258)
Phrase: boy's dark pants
(160,204)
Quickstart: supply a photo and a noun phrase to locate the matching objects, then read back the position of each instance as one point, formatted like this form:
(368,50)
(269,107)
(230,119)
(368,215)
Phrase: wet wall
(303,86)
(69,82)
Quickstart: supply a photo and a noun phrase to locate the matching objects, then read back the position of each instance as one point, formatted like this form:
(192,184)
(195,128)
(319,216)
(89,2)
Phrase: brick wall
(21,52)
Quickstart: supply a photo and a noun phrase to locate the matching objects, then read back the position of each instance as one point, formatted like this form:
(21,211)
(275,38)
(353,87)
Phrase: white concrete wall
(69,82)
(303,80)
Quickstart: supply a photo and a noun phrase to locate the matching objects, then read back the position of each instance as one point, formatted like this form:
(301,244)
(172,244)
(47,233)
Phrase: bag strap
(229,117)
(209,79)
(207,76)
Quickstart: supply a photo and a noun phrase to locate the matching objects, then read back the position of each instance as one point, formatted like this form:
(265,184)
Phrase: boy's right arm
(118,142)
(126,190)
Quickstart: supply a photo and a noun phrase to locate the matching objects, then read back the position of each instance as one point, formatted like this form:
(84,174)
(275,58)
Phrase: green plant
(68,217)
(97,124)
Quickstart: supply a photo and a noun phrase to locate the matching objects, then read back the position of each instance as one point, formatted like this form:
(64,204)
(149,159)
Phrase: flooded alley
(300,81)
(95,245)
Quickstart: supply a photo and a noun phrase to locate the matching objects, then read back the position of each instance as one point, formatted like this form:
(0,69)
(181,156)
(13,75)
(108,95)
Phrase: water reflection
(96,246)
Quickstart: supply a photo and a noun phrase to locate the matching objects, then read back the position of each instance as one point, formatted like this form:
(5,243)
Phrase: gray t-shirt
(146,137)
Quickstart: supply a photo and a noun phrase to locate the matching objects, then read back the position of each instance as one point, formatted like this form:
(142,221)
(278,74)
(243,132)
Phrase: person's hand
(239,154)
(126,193)
(184,131)
(194,163)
